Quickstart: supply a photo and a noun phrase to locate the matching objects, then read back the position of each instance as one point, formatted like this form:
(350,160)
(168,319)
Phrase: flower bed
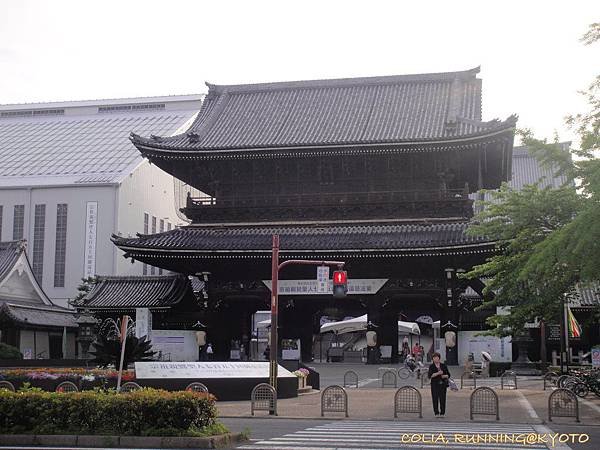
(146,412)
(48,378)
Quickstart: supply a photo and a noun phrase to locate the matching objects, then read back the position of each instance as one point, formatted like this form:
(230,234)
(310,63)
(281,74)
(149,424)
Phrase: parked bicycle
(411,367)
(581,382)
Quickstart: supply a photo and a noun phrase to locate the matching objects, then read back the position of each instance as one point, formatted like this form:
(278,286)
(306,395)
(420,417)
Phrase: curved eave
(156,149)
(145,253)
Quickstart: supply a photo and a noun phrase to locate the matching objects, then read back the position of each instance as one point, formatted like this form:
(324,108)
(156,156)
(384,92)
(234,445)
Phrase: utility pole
(275,268)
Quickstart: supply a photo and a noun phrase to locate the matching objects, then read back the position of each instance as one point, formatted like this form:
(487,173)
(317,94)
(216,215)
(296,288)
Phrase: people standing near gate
(209,352)
(415,349)
(439,375)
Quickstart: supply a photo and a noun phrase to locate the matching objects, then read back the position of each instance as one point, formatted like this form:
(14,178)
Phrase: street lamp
(275,268)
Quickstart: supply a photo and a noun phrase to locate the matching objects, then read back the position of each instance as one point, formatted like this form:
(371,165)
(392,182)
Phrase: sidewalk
(516,406)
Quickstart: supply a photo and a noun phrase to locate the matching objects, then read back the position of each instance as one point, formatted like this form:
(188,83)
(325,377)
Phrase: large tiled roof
(334,112)
(33,315)
(136,292)
(80,144)
(375,238)
(9,254)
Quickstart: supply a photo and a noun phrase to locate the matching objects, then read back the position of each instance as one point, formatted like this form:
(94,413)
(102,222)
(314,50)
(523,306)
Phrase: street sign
(322,279)
(596,357)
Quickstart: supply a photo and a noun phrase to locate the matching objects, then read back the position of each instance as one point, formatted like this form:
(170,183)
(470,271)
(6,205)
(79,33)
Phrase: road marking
(389,434)
(366,381)
(590,404)
(543,429)
(526,405)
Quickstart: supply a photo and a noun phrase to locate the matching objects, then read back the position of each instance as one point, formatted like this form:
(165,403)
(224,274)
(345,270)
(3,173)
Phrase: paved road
(279,434)
(325,434)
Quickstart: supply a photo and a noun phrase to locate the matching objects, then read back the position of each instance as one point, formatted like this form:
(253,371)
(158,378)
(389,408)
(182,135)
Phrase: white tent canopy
(264,324)
(360,324)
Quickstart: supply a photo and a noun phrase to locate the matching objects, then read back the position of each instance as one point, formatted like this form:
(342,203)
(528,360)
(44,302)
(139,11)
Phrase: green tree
(547,239)
(83,289)
(519,221)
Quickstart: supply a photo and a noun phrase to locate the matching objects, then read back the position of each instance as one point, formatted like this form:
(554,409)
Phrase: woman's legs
(435,397)
(442,397)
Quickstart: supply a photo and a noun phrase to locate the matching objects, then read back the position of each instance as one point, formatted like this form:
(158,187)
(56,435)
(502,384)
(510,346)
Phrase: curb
(101,441)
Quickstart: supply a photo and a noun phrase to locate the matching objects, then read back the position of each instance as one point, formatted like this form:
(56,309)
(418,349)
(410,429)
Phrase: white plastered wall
(147,189)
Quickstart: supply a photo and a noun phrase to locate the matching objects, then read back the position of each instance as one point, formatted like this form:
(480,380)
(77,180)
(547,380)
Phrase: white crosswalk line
(377,435)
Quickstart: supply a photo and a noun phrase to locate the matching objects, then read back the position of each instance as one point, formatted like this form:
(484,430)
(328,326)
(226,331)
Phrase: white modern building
(69,178)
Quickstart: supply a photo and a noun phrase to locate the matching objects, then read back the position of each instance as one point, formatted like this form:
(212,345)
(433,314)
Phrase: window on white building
(60,254)
(146,224)
(152,268)
(161,228)
(18,222)
(39,229)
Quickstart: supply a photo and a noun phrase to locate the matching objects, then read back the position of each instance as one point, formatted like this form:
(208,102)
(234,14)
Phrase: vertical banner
(323,280)
(143,322)
(91,225)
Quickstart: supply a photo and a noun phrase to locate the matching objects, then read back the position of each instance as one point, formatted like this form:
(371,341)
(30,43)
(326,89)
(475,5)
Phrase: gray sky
(532,62)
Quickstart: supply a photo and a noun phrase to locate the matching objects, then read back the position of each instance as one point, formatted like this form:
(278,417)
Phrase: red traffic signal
(340,277)
(340,283)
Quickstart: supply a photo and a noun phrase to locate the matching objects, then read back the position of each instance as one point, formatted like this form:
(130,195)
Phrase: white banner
(200,369)
(175,345)
(322,279)
(356,286)
(91,225)
(473,342)
(143,322)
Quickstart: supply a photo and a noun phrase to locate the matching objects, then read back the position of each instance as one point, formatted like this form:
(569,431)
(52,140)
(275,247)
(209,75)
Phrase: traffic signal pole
(275,268)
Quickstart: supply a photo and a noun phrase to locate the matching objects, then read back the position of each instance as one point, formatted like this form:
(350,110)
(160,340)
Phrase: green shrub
(141,412)
(9,352)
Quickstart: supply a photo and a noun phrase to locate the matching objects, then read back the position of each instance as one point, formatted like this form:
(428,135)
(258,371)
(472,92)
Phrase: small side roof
(130,292)
(38,316)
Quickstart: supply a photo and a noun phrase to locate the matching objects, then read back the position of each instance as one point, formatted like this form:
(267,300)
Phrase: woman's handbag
(452,384)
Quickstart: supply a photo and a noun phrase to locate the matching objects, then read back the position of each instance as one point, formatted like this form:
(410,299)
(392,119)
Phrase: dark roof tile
(334,112)
(136,292)
(377,237)
(49,316)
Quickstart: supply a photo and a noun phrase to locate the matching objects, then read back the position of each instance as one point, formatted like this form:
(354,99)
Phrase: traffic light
(340,283)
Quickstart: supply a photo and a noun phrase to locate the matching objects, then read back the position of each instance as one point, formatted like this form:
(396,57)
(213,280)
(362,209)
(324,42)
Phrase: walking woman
(438,374)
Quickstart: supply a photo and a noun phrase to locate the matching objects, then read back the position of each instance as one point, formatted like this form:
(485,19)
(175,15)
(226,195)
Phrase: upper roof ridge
(216,89)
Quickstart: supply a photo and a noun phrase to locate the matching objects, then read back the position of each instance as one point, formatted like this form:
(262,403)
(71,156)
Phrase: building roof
(38,316)
(136,292)
(306,239)
(82,142)
(10,251)
(526,169)
(586,296)
(351,111)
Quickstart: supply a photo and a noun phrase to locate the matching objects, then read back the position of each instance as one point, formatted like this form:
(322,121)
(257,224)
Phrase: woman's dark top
(438,378)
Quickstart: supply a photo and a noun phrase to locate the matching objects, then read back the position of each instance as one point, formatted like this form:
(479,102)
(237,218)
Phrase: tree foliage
(83,289)
(548,239)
